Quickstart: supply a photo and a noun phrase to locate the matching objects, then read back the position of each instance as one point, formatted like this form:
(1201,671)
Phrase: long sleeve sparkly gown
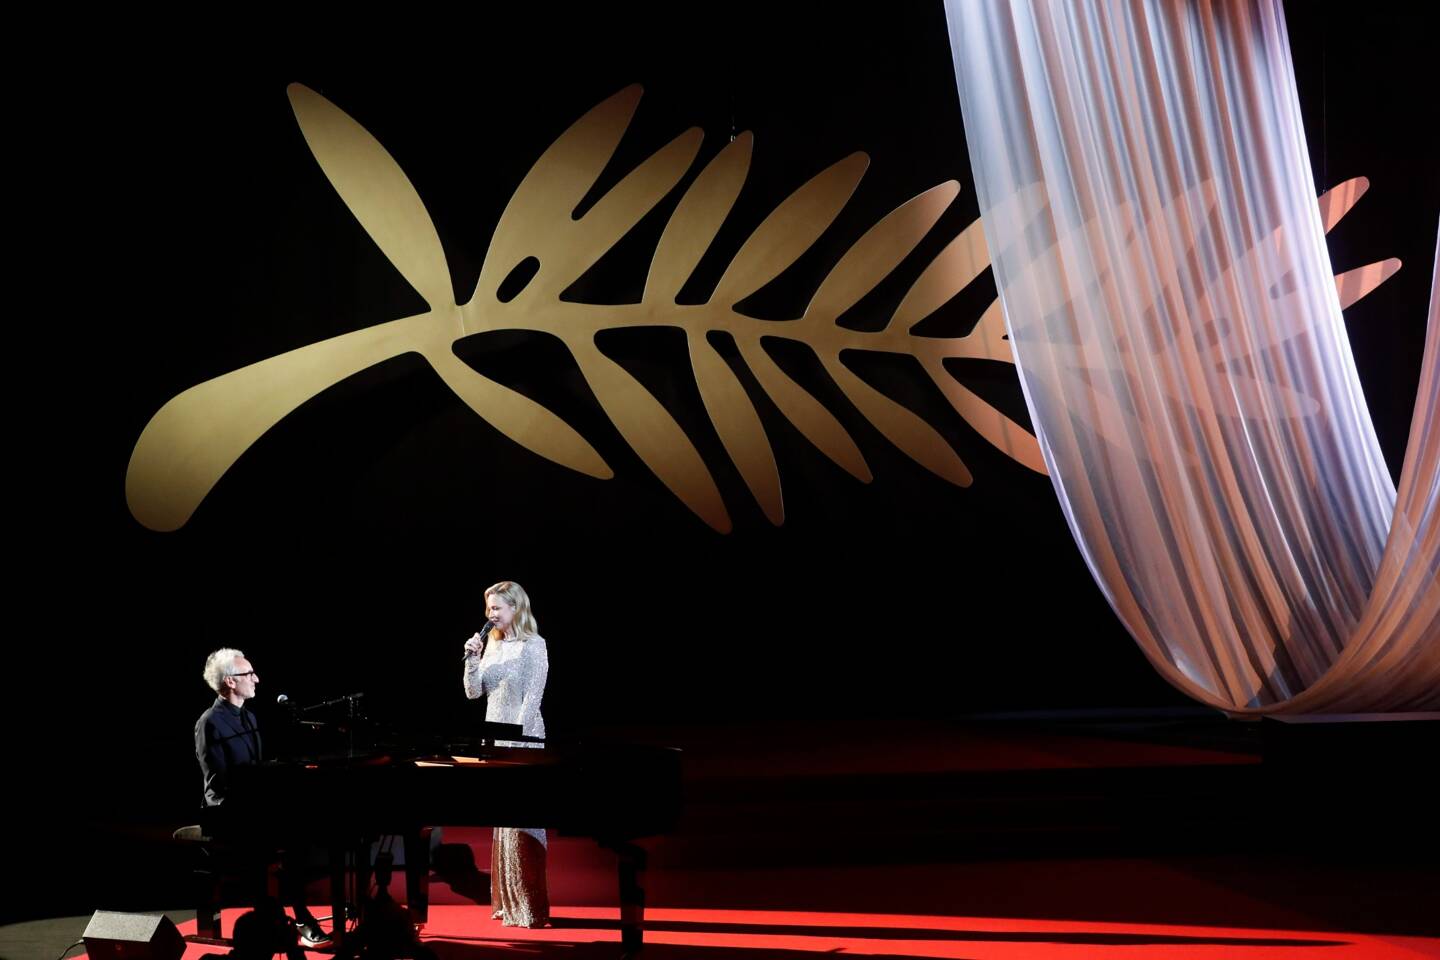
(511,675)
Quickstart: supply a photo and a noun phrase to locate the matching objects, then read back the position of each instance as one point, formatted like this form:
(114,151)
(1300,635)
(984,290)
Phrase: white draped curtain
(1152,222)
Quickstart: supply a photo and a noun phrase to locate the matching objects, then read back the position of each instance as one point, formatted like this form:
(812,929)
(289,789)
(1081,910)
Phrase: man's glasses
(247,673)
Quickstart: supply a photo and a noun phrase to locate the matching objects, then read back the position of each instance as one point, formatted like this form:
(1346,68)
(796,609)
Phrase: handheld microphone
(484,636)
(282,700)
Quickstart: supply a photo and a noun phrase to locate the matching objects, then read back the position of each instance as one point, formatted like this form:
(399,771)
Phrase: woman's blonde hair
(524,625)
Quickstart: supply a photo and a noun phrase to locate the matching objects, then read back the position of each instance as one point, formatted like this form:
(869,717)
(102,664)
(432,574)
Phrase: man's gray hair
(219,665)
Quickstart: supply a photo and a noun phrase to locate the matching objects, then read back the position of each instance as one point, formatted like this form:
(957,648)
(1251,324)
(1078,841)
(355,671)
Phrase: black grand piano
(341,800)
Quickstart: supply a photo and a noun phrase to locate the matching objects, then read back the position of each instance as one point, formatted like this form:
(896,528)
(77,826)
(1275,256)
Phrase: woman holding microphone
(506,663)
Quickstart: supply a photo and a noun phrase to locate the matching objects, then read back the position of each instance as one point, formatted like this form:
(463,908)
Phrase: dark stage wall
(347,550)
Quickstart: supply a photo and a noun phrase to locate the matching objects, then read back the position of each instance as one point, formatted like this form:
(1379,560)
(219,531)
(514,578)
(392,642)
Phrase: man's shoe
(311,936)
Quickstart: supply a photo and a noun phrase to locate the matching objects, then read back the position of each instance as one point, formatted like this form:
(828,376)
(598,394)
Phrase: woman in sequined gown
(507,664)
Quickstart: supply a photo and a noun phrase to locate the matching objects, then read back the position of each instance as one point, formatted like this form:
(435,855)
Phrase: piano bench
(218,864)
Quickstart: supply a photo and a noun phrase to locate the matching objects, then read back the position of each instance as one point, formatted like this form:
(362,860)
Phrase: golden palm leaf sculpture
(195,437)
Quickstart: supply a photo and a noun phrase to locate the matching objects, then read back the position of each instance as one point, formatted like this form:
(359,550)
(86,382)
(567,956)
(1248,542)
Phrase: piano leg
(349,864)
(207,913)
(630,861)
(417,874)
(353,863)
(205,878)
(337,893)
(361,867)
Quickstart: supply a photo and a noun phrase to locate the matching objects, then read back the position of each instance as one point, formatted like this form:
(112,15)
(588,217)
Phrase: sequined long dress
(511,674)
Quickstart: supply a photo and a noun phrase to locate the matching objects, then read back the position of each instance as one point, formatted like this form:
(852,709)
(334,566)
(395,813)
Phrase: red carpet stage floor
(581,933)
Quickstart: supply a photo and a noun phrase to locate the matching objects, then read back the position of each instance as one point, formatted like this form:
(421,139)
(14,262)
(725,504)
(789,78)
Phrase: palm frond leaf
(653,434)
(809,415)
(554,187)
(911,434)
(571,247)
(697,219)
(790,229)
(739,427)
(878,252)
(377,192)
(952,270)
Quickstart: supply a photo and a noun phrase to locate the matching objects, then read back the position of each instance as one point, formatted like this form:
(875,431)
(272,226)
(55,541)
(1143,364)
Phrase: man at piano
(227,736)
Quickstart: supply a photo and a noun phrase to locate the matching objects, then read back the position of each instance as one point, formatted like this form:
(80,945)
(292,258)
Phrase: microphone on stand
(290,726)
(349,698)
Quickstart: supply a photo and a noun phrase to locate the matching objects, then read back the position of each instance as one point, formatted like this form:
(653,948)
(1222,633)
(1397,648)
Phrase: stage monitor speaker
(132,936)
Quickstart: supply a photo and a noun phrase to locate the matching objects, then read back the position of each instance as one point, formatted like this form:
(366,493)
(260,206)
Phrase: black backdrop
(347,550)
